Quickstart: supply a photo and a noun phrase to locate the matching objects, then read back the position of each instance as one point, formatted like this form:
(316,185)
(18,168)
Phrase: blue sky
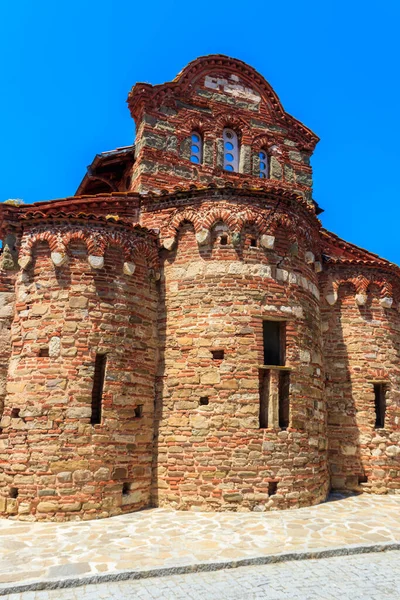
(67,67)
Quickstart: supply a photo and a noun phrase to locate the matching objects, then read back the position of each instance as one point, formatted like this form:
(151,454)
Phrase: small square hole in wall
(272,488)
(204,401)
(223,240)
(126,488)
(15,413)
(362,479)
(13,492)
(44,352)
(253,243)
(218,354)
(139,411)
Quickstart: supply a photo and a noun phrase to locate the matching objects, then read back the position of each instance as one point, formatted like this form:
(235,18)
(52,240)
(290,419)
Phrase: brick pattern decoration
(210,94)
(173,279)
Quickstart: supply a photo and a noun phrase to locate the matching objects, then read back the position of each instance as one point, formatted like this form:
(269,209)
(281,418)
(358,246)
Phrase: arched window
(196,148)
(231,150)
(264,164)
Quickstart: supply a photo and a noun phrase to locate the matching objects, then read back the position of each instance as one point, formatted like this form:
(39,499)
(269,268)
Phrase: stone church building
(183,332)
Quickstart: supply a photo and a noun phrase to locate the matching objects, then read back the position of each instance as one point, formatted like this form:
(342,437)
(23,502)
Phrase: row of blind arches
(231,153)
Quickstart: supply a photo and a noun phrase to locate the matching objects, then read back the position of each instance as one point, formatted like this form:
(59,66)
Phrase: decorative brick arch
(75,234)
(232,121)
(255,220)
(188,215)
(224,215)
(141,248)
(338,283)
(97,243)
(117,238)
(264,142)
(201,124)
(34,238)
(285,222)
(361,282)
(385,287)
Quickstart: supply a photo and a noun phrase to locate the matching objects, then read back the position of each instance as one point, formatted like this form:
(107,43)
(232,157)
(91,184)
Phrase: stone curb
(70,582)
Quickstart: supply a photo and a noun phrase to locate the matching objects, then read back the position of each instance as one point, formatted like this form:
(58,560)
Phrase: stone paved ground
(361,577)
(161,538)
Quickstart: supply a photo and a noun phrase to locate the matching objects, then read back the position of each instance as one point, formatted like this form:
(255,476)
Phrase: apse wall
(362,354)
(227,267)
(64,456)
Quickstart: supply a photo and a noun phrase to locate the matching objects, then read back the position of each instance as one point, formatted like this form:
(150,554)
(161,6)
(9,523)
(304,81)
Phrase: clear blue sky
(67,67)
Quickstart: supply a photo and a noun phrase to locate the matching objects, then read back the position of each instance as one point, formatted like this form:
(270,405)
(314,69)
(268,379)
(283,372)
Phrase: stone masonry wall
(362,346)
(214,456)
(55,463)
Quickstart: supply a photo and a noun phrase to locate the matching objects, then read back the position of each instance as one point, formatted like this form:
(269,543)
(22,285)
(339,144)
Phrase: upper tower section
(219,121)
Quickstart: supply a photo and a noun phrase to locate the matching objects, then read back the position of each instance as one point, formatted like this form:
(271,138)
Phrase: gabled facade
(183,332)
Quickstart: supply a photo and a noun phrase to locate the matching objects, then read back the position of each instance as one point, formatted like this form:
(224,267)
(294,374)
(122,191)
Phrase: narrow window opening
(204,401)
(126,488)
(98,384)
(139,411)
(380,405)
(362,479)
(231,150)
(15,413)
(13,492)
(128,182)
(272,488)
(264,398)
(264,165)
(196,148)
(274,333)
(253,243)
(224,240)
(44,352)
(284,407)
(218,354)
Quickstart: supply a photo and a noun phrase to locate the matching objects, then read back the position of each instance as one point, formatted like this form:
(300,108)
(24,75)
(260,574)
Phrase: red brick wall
(207,97)
(60,465)
(362,345)
(216,456)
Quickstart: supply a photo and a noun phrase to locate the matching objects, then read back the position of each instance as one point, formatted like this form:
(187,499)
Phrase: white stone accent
(361,299)
(282,275)
(393,451)
(331,298)
(25,261)
(310,258)
(203,237)
(54,347)
(129,268)
(317,266)
(386,302)
(59,258)
(267,241)
(169,243)
(96,262)
(305,356)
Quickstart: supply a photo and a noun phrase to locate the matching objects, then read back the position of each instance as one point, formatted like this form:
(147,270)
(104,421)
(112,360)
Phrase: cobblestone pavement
(362,577)
(160,538)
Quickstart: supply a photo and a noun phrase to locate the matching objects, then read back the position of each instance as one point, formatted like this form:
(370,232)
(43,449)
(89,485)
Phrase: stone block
(78,302)
(96,262)
(47,507)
